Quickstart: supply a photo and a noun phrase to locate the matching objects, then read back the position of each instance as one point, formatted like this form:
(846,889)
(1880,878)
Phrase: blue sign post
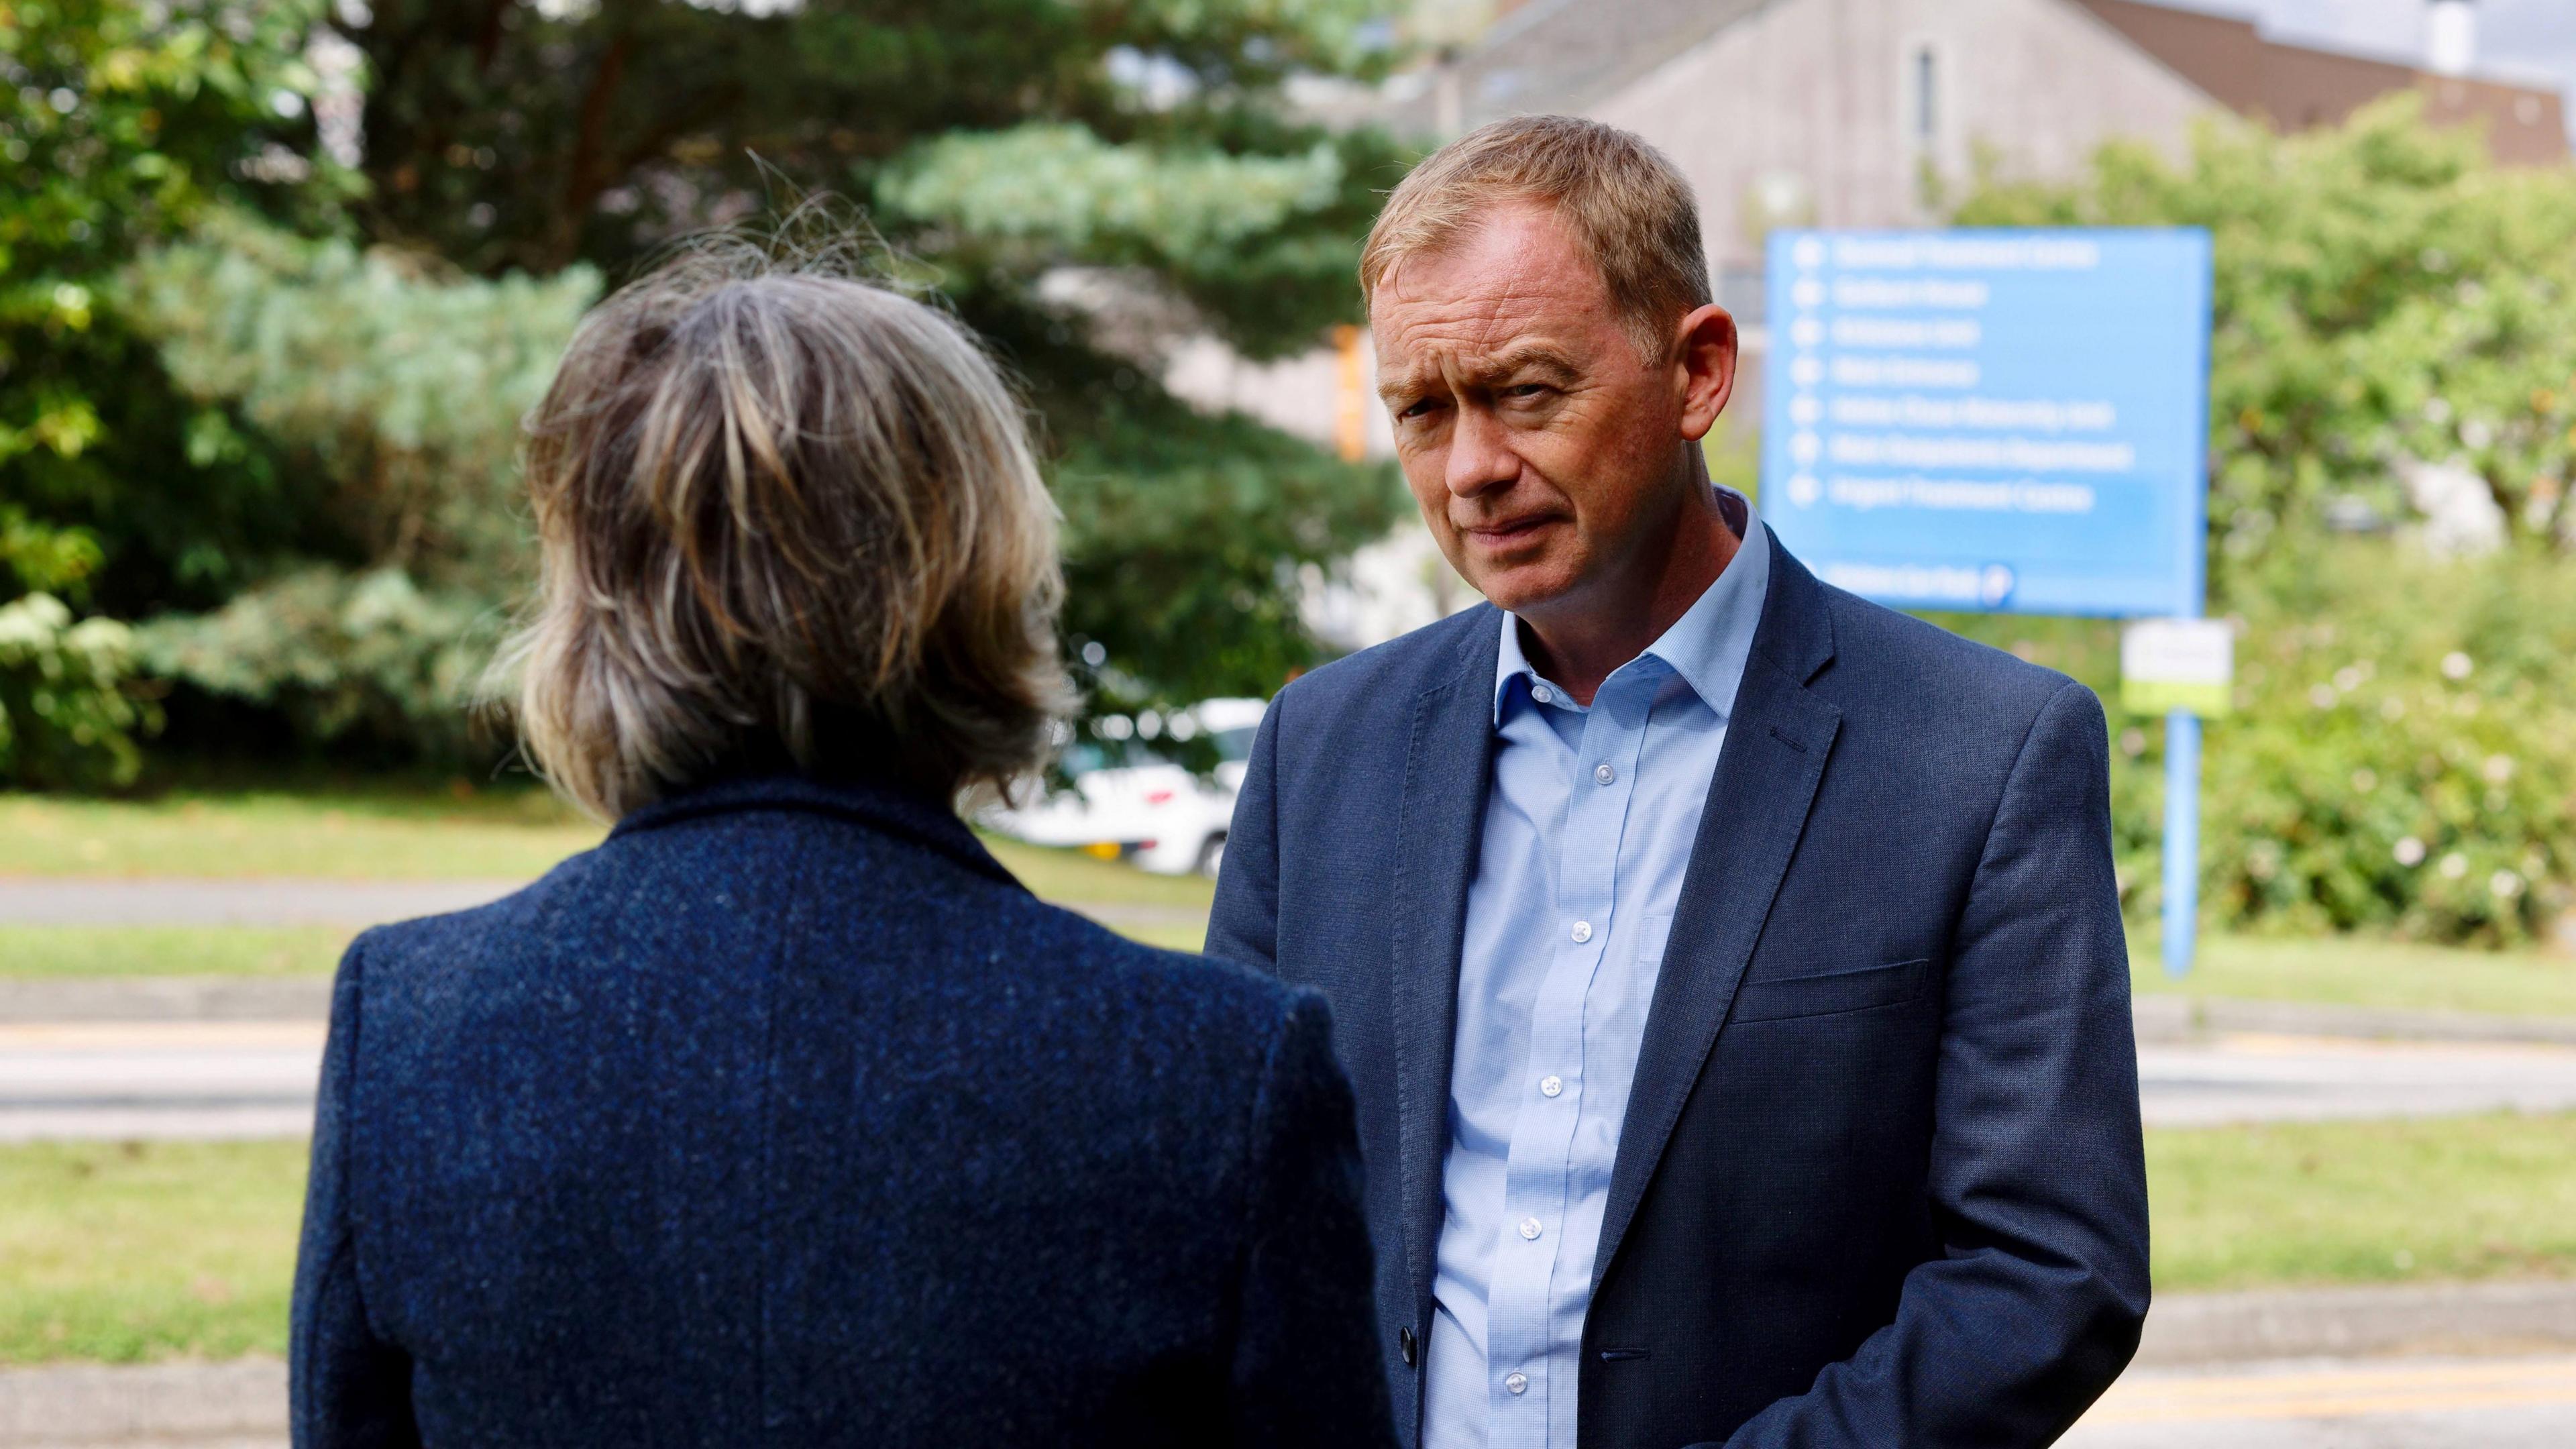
(2002,420)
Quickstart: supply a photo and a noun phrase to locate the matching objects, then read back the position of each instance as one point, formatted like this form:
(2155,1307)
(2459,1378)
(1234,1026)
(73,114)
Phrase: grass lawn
(125,1252)
(392,833)
(27,951)
(2351,971)
(136,1251)
(2359,1202)
(34,951)
(385,833)
(409,833)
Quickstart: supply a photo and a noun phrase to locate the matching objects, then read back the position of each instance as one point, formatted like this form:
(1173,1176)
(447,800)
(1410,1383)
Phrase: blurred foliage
(402,382)
(2402,758)
(66,718)
(395,377)
(120,126)
(2404,754)
(2385,293)
(363,658)
(1084,184)
(286,435)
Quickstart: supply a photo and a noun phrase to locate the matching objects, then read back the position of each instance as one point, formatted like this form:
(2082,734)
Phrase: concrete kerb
(2186,1018)
(195,1404)
(51,1000)
(2453,1318)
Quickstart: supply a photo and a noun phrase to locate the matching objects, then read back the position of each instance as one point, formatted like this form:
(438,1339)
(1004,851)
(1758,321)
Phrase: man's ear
(1704,366)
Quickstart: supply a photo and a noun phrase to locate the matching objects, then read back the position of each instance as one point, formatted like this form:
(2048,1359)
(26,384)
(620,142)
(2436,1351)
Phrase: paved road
(255,1079)
(2267,1078)
(2517,1403)
(118,1080)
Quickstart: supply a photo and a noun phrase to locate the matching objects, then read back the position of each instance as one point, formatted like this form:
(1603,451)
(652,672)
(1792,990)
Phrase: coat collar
(1707,645)
(882,805)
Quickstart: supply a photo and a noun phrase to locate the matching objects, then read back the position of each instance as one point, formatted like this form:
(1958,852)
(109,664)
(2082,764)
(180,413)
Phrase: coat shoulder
(1403,666)
(1886,661)
(831,903)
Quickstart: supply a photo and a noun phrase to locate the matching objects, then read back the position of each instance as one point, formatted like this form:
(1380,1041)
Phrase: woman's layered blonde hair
(788,520)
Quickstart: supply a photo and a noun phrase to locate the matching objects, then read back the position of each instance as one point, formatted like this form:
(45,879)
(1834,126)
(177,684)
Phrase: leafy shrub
(66,718)
(2402,759)
(401,382)
(2406,754)
(362,658)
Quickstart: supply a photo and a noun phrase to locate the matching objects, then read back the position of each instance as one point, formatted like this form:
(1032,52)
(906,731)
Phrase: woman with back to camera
(787,1116)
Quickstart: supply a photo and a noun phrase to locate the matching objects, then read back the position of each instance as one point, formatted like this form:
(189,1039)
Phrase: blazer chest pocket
(1832,991)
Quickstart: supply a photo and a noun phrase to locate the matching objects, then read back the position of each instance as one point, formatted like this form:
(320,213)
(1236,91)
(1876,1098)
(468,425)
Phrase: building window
(1927,96)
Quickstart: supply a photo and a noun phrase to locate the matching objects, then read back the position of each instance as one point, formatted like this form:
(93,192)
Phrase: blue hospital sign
(2012,420)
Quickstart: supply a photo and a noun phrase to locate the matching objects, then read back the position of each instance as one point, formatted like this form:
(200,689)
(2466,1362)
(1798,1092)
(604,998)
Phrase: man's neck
(1577,642)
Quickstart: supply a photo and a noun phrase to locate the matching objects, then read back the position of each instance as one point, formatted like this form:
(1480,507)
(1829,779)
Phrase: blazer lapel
(1446,772)
(1776,741)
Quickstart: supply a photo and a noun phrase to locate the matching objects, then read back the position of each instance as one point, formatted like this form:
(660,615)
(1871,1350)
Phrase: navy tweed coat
(788,1117)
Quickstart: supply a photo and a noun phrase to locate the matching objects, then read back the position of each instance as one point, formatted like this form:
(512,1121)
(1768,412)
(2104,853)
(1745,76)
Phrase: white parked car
(1129,801)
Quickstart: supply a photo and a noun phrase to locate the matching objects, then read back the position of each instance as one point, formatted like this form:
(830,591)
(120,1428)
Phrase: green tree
(2401,757)
(999,146)
(120,124)
(2385,294)
(402,383)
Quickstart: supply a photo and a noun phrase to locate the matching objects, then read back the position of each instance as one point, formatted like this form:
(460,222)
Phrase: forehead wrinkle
(1464,344)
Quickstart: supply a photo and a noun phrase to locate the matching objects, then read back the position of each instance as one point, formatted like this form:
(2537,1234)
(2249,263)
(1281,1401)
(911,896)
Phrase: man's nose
(1480,458)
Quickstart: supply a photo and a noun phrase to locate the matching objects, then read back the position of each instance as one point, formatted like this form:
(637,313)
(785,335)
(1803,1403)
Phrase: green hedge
(2402,758)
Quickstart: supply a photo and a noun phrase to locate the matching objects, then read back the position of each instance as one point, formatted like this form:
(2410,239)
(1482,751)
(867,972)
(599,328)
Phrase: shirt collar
(1709,644)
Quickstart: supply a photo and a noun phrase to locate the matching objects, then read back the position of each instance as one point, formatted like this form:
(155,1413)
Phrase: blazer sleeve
(2037,1176)
(1243,925)
(346,1385)
(1307,1369)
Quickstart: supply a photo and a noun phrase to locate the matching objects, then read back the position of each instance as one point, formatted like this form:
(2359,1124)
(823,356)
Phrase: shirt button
(1605,774)
(1516,1383)
(1529,1229)
(1550,1086)
(1582,932)
(1542,694)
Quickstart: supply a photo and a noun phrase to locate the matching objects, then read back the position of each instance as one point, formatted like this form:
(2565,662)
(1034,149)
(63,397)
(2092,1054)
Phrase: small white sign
(2178,651)
(2170,664)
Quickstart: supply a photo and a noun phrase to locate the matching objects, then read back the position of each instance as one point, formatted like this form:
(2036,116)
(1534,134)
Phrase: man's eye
(1419,407)
(1527,390)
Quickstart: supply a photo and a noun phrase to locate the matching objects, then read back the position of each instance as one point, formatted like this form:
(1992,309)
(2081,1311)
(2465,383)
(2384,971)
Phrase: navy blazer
(787,1117)
(1880,1178)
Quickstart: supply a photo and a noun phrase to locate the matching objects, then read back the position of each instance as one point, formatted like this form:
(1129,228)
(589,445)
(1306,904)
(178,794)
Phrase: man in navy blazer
(1730,971)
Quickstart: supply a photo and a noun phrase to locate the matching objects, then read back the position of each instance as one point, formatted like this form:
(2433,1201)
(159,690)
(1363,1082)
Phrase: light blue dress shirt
(1588,827)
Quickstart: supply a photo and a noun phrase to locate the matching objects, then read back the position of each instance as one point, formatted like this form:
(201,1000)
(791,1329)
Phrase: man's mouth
(1506,532)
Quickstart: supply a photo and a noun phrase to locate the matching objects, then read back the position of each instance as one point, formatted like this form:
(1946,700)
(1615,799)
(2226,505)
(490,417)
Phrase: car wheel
(1211,856)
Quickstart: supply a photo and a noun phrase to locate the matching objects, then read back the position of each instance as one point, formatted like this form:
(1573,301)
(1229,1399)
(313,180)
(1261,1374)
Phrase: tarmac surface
(2488,1403)
(263,901)
(252,1079)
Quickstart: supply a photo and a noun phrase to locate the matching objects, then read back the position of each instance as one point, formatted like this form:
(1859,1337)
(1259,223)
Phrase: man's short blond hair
(1625,204)
(788,520)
